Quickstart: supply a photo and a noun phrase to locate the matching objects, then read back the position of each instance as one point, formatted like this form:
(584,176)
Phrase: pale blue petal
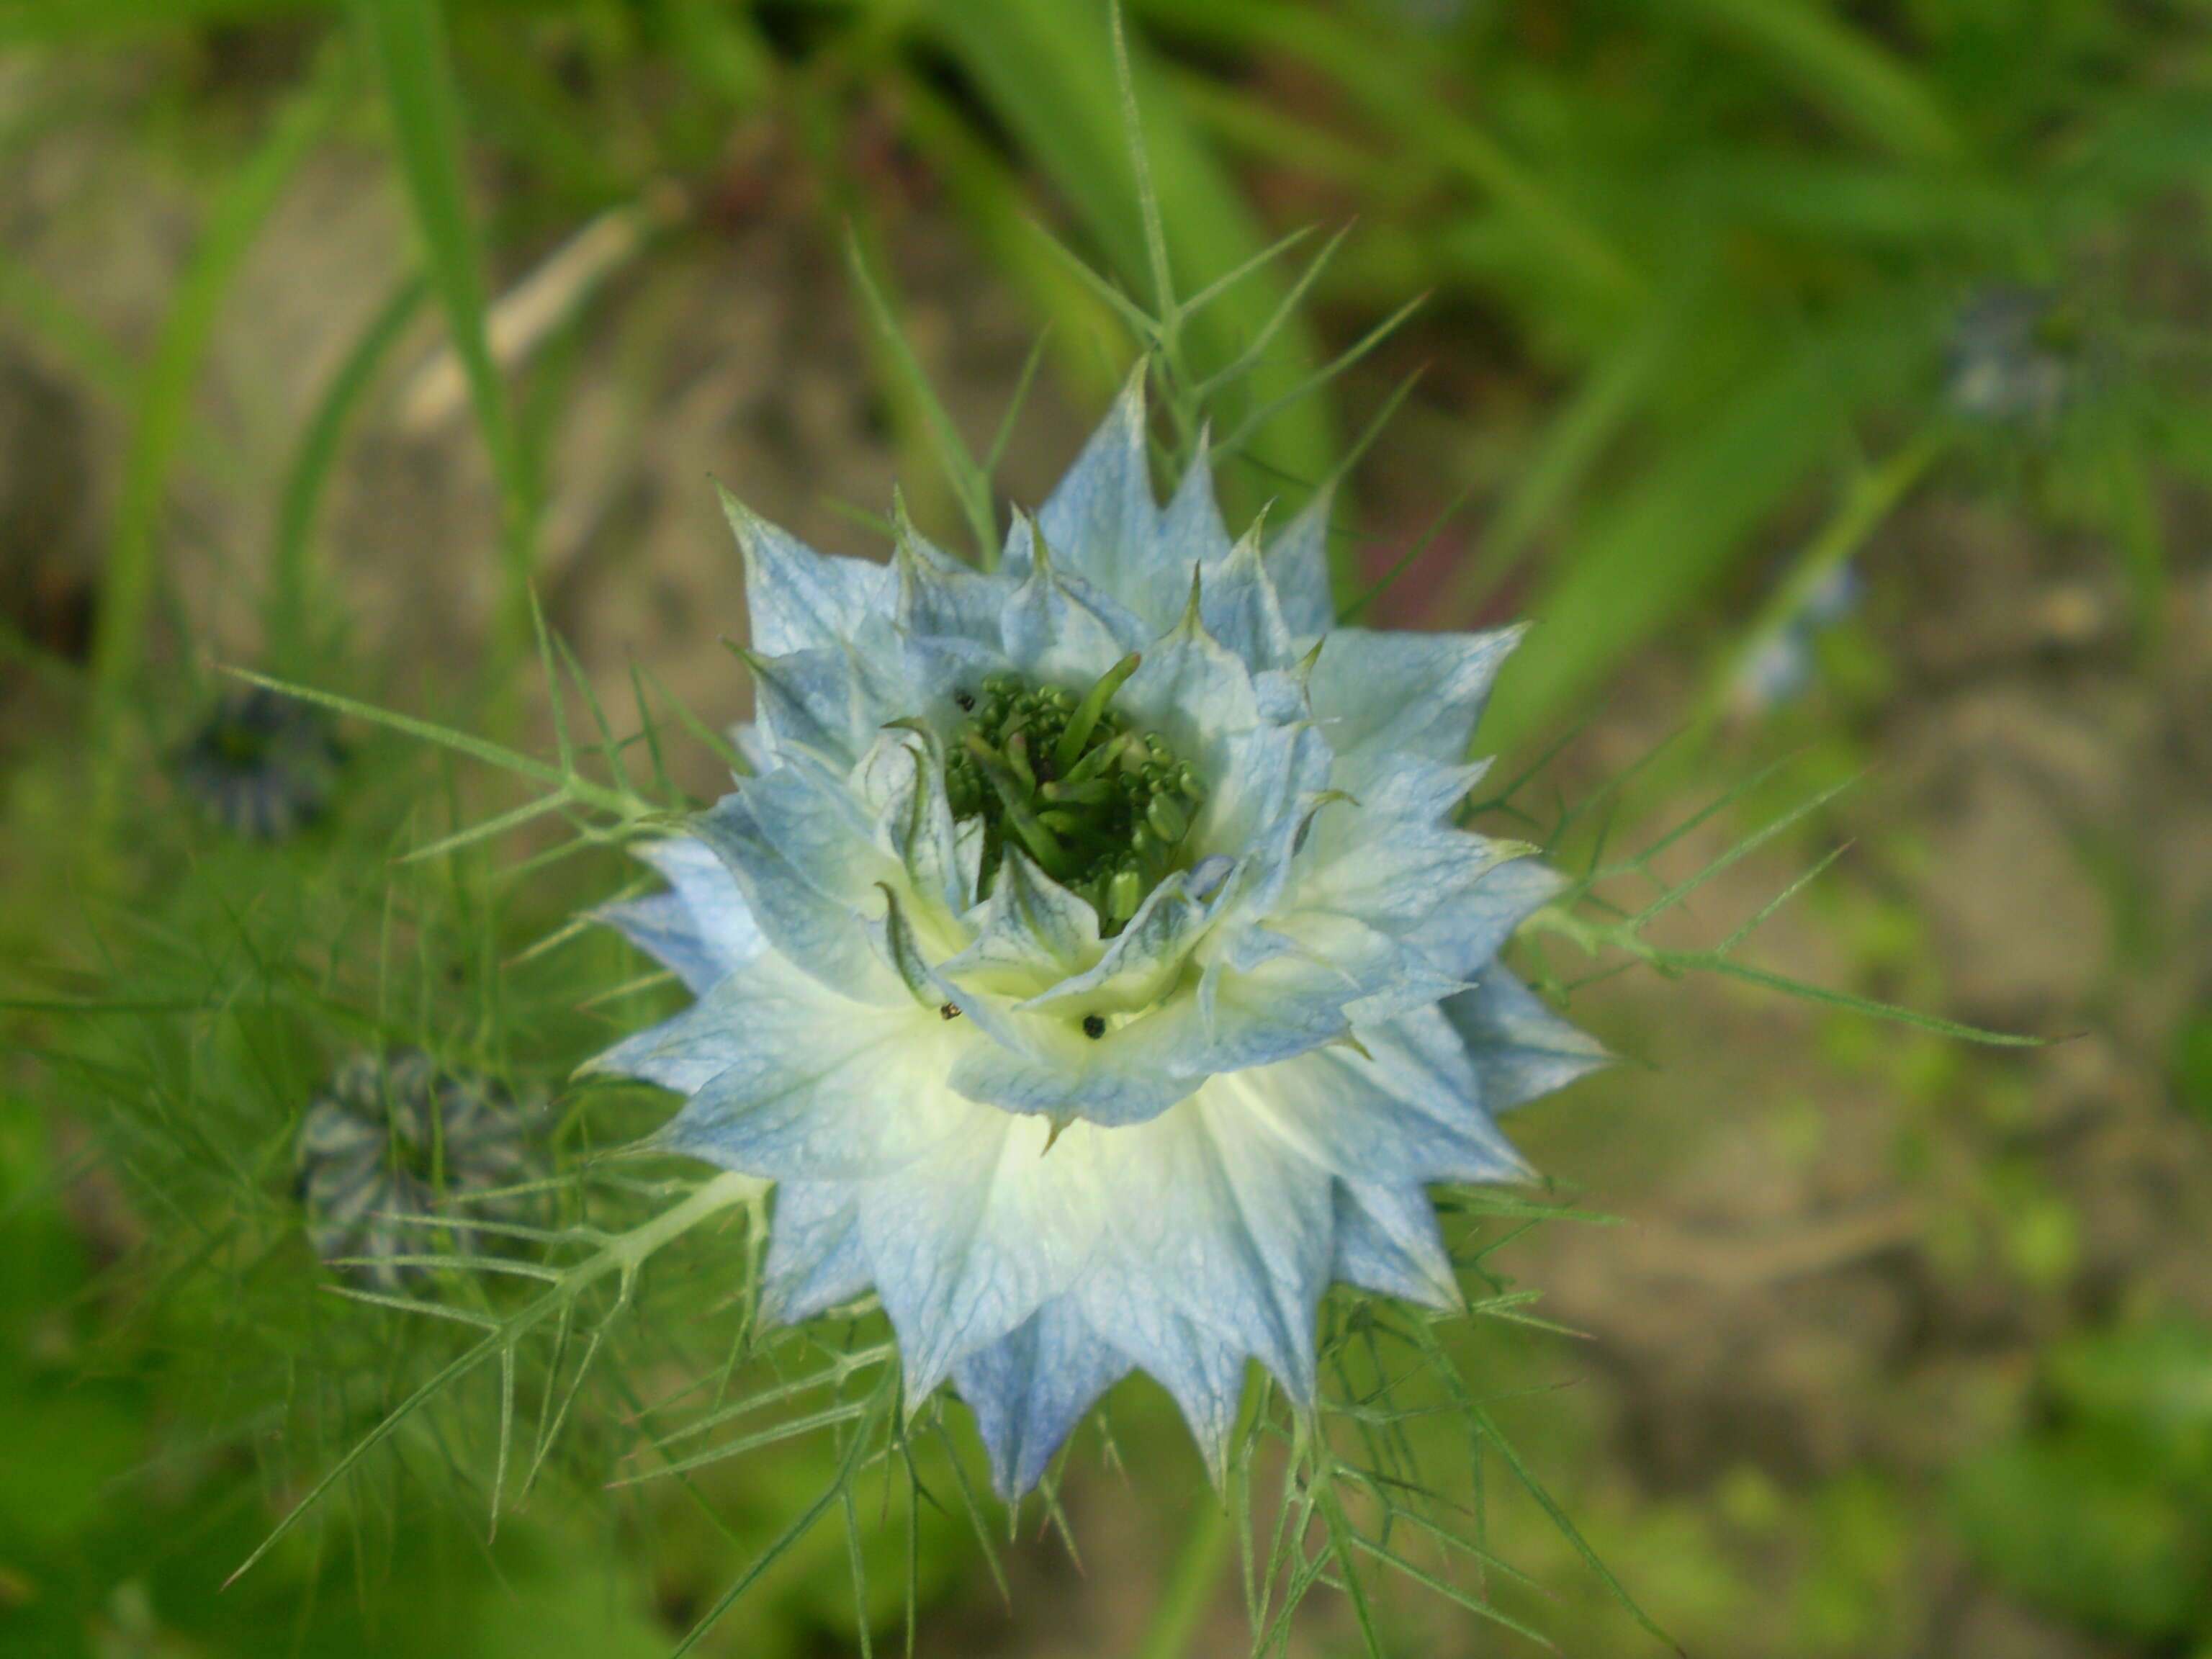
(811,1087)
(1218,1218)
(1519,1046)
(702,928)
(1193,689)
(1238,601)
(1419,1059)
(1471,925)
(808,700)
(1191,531)
(1033,1065)
(1419,692)
(1264,773)
(1030,932)
(973,1236)
(810,910)
(1396,1119)
(817,1258)
(1202,1370)
(1410,878)
(1100,521)
(956,601)
(831,700)
(1030,1388)
(659,1055)
(799,599)
(1387,1240)
(1060,629)
(1141,963)
(1299,562)
(902,781)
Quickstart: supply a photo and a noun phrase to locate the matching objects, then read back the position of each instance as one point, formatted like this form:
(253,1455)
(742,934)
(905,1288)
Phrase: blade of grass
(285,625)
(405,42)
(162,408)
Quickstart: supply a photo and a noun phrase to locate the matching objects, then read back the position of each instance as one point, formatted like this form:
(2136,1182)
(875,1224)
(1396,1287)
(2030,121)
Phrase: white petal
(1519,1046)
(970,1239)
(1101,522)
(1419,692)
(702,928)
(808,1085)
(1030,1388)
(1298,561)
(799,599)
(1387,1240)
(1239,605)
(817,1258)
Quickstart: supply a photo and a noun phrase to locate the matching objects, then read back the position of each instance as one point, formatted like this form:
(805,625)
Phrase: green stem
(1189,1587)
(163,413)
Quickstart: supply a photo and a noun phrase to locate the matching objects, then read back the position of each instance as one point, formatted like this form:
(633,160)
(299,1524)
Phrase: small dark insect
(949,1010)
(1094,1025)
(966,700)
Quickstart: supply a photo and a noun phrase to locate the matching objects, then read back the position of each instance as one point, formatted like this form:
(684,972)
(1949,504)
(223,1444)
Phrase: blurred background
(1828,382)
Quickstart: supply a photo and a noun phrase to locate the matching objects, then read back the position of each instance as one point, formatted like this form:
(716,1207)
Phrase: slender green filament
(1104,810)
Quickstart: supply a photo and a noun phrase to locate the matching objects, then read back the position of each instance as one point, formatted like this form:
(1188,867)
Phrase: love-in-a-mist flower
(393,1137)
(264,765)
(1093,960)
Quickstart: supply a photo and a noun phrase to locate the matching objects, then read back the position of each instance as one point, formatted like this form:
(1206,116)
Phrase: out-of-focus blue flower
(2012,359)
(264,765)
(1780,666)
(393,1137)
(1095,961)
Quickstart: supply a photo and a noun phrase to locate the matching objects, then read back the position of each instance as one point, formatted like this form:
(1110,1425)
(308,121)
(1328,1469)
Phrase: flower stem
(1189,1587)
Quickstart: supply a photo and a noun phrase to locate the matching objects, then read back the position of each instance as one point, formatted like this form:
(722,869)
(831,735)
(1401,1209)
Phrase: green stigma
(1103,810)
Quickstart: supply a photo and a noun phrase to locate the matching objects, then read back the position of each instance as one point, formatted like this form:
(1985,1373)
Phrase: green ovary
(1104,810)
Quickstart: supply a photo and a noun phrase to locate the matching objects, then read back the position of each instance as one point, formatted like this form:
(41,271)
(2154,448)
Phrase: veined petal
(1201,1369)
(701,928)
(811,909)
(1520,1048)
(1031,933)
(809,1085)
(1387,1240)
(1419,692)
(956,601)
(1391,1119)
(976,1234)
(1191,531)
(1030,1388)
(1223,1222)
(1058,627)
(1100,523)
(799,599)
(1192,687)
(1298,561)
(1238,602)
(817,1258)
(1465,934)
(1140,963)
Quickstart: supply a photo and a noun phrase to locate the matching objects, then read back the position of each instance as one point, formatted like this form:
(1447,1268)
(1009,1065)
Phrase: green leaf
(406,45)
(162,407)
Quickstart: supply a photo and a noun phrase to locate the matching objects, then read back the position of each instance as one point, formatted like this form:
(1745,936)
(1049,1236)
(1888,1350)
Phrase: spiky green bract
(1056,1150)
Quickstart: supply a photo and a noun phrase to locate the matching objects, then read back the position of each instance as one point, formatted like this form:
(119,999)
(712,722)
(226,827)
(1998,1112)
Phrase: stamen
(1104,811)
(1085,718)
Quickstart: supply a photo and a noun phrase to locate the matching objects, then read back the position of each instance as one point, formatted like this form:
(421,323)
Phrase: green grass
(1692,272)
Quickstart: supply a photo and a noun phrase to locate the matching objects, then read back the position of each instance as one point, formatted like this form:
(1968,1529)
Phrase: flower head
(1094,959)
(263,765)
(2013,358)
(390,1137)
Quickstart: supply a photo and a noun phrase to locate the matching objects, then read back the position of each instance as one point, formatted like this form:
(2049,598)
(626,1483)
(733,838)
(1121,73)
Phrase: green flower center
(1104,809)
